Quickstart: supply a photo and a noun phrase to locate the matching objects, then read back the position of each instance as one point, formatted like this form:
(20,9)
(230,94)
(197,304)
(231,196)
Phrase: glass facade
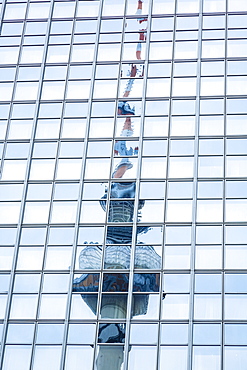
(123,185)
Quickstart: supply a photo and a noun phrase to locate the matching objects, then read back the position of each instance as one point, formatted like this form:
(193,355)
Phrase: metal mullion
(36,322)
(69,296)
(112,140)
(168,152)
(2,10)
(76,226)
(117,99)
(162,292)
(158,366)
(108,181)
(224,196)
(50,181)
(161,271)
(137,181)
(169,120)
(46,241)
(195,182)
(14,83)
(25,182)
(42,271)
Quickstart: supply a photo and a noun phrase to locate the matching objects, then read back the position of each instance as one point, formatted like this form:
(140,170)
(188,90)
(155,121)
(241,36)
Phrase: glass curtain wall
(123,185)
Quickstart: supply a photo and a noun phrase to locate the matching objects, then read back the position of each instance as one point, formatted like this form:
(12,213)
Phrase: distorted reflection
(86,283)
(119,203)
(109,303)
(111,333)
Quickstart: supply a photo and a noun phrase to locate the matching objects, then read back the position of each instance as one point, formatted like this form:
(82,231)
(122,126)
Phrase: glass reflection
(111,333)
(115,282)
(118,202)
(146,282)
(86,283)
(109,357)
(113,306)
(112,254)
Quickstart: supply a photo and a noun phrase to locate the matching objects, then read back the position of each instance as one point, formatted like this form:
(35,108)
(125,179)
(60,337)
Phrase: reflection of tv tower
(118,244)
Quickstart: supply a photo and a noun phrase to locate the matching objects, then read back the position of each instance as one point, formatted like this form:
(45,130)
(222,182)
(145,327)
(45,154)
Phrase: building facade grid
(123,173)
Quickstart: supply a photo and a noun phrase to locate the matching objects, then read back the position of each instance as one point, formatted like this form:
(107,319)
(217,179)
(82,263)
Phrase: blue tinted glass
(146,282)
(4,283)
(20,333)
(50,333)
(81,333)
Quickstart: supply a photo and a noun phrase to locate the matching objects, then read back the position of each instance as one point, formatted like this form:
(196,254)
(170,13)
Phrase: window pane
(176,357)
(206,356)
(50,334)
(27,283)
(74,356)
(207,334)
(207,307)
(23,306)
(140,360)
(3,303)
(235,357)
(81,333)
(58,258)
(30,258)
(176,307)
(17,357)
(48,357)
(53,306)
(20,333)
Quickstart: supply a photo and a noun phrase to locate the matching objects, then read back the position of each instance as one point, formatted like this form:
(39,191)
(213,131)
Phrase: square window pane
(48,357)
(17,357)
